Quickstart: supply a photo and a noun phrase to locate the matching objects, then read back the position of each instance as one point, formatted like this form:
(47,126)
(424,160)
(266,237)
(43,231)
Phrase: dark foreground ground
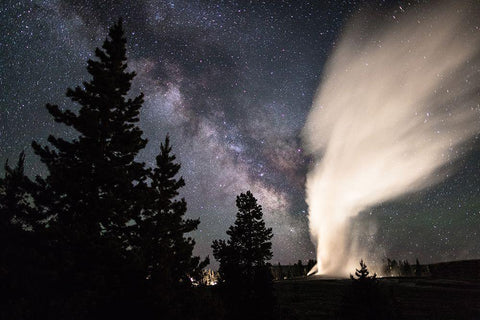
(403,298)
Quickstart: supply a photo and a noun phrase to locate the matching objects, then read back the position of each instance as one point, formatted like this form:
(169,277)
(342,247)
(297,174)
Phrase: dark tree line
(403,268)
(101,235)
(296,270)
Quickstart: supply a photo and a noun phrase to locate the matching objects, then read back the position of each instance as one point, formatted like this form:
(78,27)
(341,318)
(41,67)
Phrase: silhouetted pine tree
(92,177)
(362,275)
(249,244)
(243,261)
(162,232)
(364,300)
(91,187)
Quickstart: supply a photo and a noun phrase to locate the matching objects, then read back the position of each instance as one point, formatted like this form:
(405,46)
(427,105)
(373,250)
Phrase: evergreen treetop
(162,226)
(91,178)
(249,244)
(362,275)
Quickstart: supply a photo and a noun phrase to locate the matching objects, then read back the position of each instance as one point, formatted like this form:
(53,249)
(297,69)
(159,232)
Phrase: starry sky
(232,82)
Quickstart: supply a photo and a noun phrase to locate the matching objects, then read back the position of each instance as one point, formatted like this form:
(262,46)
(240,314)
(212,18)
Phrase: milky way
(232,83)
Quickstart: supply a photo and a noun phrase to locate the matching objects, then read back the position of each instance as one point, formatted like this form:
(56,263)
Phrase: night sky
(232,82)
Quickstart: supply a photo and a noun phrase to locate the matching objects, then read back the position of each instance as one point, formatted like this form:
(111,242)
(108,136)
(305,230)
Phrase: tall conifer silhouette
(91,190)
(249,244)
(246,276)
(91,177)
(162,228)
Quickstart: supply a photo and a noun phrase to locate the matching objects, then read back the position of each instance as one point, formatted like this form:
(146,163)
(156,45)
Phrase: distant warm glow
(390,114)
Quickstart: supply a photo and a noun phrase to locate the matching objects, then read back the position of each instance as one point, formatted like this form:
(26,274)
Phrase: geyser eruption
(392,110)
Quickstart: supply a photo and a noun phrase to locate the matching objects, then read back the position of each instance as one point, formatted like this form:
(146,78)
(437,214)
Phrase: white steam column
(392,110)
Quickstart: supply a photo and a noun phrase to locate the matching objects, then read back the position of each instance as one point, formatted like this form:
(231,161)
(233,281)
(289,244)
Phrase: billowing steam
(391,112)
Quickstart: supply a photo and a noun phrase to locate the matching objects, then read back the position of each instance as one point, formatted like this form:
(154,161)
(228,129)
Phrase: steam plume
(391,112)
